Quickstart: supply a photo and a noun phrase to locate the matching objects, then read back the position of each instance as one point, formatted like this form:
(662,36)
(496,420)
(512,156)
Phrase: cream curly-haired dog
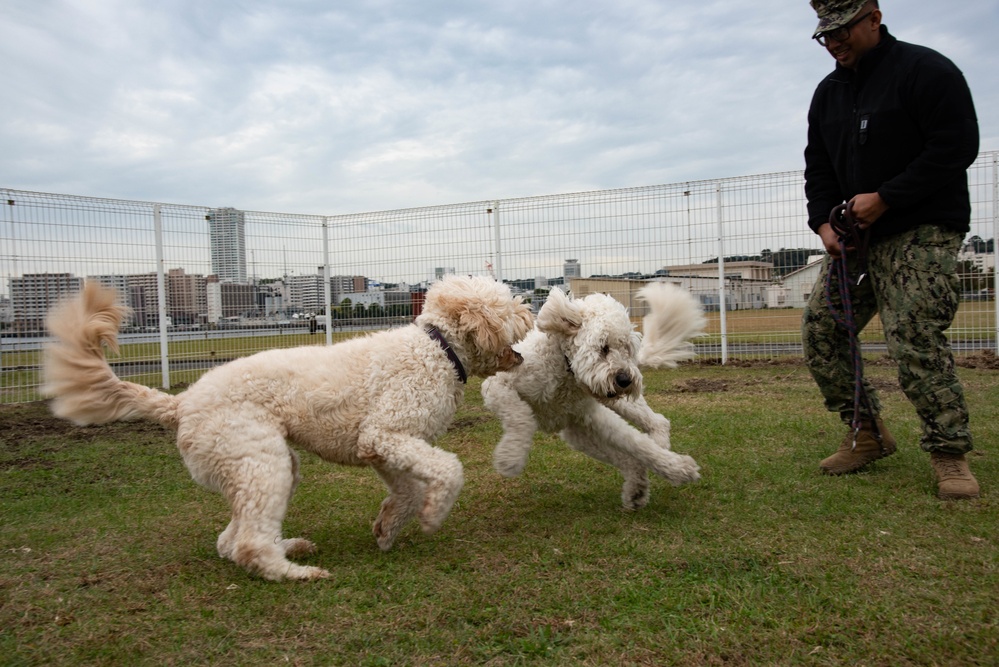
(376,401)
(581,378)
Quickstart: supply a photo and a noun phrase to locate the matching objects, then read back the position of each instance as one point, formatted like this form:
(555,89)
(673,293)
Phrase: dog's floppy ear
(498,325)
(559,315)
(484,325)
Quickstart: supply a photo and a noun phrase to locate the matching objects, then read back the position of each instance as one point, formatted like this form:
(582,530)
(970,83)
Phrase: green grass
(107,549)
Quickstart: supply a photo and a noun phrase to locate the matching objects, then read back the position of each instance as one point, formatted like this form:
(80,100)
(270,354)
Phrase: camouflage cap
(835,13)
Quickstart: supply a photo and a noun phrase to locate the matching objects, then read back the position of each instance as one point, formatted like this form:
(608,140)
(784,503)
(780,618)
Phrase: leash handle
(850,234)
(843,223)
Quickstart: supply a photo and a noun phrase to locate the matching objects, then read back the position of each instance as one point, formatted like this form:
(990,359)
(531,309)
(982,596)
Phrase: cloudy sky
(343,106)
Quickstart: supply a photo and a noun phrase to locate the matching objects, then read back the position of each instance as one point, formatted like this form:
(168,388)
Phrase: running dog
(378,401)
(581,378)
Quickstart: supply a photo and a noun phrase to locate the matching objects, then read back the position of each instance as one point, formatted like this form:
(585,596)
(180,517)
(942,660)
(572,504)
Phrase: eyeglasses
(840,34)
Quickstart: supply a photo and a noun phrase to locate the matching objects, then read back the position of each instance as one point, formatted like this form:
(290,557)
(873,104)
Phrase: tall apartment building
(32,295)
(188,297)
(228,244)
(144,300)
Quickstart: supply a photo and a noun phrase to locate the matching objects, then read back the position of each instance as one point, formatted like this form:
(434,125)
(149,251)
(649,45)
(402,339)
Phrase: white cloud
(314,107)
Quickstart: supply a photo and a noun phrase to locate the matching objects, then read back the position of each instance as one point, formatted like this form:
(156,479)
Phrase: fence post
(327,296)
(498,260)
(161,294)
(721,277)
(995,251)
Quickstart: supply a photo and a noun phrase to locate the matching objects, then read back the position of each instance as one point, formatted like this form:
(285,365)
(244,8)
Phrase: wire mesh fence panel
(977,318)
(49,244)
(204,285)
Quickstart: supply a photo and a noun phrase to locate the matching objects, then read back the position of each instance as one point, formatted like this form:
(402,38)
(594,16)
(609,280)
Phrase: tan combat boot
(954,478)
(850,458)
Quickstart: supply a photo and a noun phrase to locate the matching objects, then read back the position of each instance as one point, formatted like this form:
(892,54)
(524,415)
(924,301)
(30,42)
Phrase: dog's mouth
(624,384)
(510,359)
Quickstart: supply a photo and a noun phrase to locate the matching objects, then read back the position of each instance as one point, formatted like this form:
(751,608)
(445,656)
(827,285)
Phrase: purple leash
(842,221)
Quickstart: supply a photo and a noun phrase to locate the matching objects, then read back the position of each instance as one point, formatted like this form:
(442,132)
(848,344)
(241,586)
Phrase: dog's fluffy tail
(76,374)
(675,316)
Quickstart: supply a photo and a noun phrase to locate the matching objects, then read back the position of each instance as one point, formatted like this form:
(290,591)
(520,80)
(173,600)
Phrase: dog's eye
(605,350)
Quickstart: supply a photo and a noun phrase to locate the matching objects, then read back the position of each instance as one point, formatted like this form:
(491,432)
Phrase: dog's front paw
(509,468)
(684,471)
(508,460)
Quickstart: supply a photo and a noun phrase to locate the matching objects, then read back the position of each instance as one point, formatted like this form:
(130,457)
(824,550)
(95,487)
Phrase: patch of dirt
(30,420)
(986,360)
(469,421)
(24,424)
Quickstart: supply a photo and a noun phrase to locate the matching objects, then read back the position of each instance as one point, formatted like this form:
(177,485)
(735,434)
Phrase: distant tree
(399,310)
(734,258)
(787,260)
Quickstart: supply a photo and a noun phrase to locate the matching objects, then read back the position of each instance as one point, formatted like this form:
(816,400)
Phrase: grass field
(108,548)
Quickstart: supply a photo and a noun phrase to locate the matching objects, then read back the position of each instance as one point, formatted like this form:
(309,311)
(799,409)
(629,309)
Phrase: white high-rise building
(225,226)
(572,269)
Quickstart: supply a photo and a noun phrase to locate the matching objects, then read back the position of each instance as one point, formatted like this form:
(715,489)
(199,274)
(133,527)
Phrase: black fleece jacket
(902,125)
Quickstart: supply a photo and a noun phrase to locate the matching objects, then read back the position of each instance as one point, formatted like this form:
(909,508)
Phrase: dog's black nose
(622,380)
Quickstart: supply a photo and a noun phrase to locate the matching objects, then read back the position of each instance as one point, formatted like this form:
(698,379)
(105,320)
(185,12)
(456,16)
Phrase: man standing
(892,130)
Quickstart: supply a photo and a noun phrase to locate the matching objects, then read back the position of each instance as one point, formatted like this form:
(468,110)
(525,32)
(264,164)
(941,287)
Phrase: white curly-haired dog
(581,378)
(378,401)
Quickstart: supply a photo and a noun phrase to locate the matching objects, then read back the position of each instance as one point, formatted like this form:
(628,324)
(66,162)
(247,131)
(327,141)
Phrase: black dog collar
(436,335)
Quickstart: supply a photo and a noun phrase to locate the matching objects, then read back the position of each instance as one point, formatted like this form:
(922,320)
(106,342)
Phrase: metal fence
(206,284)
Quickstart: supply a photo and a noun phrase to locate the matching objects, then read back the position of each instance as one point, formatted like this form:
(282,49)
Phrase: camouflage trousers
(912,285)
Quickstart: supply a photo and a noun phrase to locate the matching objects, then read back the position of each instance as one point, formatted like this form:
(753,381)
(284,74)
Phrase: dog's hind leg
(258,489)
(404,501)
(296,546)
(635,491)
(519,425)
(638,412)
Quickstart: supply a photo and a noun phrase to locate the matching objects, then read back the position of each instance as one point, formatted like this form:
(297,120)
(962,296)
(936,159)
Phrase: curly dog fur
(378,401)
(581,378)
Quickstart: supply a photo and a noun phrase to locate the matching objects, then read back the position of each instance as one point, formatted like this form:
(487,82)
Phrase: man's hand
(830,240)
(867,208)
